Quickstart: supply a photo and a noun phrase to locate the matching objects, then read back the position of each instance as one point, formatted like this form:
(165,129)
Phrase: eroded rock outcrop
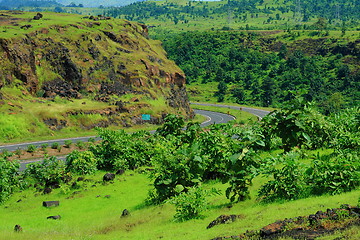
(108,57)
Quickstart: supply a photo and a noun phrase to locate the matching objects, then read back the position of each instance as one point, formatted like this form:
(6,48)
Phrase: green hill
(65,71)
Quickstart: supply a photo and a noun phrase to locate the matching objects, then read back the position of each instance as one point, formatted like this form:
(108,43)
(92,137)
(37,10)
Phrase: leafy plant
(67,143)
(80,144)
(8,178)
(44,146)
(345,129)
(51,171)
(6,154)
(81,162)
(191,203)
(18,152)
(297,124)
(55,145)
(335,173)
(120,150)
(288,179)
(172,125)
(31,148)
(176,170)
(240,172)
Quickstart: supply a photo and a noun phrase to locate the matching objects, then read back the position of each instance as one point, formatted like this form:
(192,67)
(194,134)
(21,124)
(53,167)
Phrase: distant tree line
(10,4)
(302,10)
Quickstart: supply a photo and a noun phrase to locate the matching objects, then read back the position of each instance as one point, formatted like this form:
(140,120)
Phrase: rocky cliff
(76,57)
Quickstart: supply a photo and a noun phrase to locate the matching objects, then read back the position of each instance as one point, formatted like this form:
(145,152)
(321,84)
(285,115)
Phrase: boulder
(51,203)
(108,177)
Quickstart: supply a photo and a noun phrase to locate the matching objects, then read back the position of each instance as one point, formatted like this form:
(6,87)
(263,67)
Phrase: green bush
(6,154)
(51,171)
(55,145)
(80,144)
(288,181)
(174,169)
(334,174)
(172,126)
(192,203)
(120,150)
(67,143)
(297,124)
(345,131)
(31,148)
(8,178)
(81,162)
(44,147)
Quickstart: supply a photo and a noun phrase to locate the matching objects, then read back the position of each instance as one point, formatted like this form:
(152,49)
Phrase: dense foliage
(8,178)
(249,74)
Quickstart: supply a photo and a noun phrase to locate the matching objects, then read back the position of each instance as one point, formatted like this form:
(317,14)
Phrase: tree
(267,94)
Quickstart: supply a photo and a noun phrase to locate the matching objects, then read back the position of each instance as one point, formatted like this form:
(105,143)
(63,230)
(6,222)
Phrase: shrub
(18,152)
(191,204)
(44,146)
(8,178)
(297,124)
(67,143)
(288,182)
(345,129)
(6,154)
(31,148)
(120,150)
(335,173)
(80,145)
(81,162)
(51,171)
(172,125)
(55,145)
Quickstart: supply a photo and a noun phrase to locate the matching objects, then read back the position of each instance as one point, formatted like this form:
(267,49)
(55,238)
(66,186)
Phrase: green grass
(86,216)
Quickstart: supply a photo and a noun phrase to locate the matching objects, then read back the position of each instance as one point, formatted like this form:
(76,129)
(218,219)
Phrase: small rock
(223,219)
(57,217)
(125,213)
(18,228)
(51,203)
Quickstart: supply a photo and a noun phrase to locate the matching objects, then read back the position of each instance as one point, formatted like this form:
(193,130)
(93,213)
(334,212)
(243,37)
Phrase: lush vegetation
(189,167)
(248,72)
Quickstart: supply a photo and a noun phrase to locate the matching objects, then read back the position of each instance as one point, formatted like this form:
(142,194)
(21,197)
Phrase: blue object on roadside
(146,117)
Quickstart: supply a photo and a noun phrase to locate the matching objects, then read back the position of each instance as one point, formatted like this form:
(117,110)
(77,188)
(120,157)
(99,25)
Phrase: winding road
(212,118)
(257,112)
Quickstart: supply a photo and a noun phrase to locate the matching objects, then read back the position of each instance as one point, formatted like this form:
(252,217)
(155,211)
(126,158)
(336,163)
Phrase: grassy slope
(22,114)
(90,215)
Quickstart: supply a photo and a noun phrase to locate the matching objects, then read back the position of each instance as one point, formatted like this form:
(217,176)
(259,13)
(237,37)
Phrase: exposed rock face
(102,57)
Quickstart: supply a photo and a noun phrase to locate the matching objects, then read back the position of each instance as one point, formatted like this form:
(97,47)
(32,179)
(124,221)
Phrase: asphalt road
(257,112)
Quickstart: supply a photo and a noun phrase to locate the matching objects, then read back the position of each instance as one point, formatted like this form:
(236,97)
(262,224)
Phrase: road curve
(212,118)
(257,112)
